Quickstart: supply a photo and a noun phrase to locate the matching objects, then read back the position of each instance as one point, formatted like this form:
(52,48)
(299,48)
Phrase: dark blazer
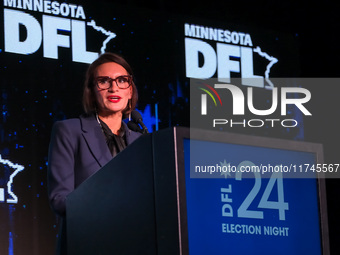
(77,150)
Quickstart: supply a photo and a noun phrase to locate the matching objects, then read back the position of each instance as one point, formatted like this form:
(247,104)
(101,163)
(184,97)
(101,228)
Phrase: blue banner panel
(248,212)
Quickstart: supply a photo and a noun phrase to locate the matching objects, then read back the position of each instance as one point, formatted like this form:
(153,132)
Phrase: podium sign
(250,208)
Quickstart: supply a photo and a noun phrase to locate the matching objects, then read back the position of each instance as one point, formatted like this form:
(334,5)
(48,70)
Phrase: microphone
(134,127)
(137,118)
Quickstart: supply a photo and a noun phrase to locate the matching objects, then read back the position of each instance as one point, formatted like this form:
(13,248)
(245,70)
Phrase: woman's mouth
(114,99)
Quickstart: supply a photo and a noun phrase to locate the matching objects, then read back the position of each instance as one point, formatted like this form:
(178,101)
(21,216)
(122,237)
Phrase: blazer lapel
(95,140)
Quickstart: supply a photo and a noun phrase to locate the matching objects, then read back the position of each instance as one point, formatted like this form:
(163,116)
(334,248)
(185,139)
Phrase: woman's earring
(130,108)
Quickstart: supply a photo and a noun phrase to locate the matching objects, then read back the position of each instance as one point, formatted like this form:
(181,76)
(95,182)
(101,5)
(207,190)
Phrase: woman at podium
(80,147)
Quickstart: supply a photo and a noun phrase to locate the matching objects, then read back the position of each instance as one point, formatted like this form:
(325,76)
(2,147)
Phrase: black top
(116,143)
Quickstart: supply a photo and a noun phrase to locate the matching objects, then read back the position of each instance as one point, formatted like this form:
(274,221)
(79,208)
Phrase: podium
(164,195)
(130,205)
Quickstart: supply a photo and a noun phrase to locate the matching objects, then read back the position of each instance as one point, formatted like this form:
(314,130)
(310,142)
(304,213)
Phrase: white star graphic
(227,166)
